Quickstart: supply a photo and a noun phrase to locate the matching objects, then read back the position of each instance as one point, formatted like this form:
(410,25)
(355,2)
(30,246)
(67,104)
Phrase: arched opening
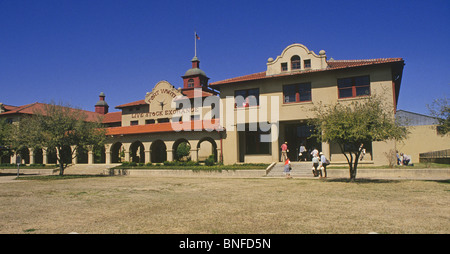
(66,154)
(191,83)
(177,156)
(99,154)
(38,156)
(5,158)
(137,153)
(295,63)
(82,155)
(206,147)
(51,156)
(158,151)
(25,155)
(117,153)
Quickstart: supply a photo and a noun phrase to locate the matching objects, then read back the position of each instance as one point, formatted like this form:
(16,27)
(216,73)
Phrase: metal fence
(442,156)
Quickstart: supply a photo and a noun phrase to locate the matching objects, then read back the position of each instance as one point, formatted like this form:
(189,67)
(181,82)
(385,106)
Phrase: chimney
(101,106)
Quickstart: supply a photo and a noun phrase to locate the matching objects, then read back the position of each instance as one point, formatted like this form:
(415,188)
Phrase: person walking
(315,161)
(324,163)
(284,151)
(287,168)
(315,152)
(302,152)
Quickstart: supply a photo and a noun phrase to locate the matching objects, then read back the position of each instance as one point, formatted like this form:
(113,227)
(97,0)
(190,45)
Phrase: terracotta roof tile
(158,128)
(134,103)
(332,65)
(33,108)
(112,117)
(190,93)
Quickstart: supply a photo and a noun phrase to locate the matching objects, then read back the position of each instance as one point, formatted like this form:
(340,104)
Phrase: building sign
(161,101)
(165,113)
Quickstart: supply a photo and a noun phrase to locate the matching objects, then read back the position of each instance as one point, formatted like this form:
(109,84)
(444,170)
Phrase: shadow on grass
(367,180)
(57,177)
(446,181)
(360,180)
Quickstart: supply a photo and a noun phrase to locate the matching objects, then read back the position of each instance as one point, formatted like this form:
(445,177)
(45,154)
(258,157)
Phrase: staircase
(299,169)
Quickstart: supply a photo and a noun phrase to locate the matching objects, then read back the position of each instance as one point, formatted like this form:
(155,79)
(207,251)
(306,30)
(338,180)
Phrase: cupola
(195,77)
(101,106)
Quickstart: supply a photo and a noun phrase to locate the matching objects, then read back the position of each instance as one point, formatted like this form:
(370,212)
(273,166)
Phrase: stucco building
(245,119)
(298,79)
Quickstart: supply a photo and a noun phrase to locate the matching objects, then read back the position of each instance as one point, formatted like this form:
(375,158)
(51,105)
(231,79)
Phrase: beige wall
(422,139)
(324,90)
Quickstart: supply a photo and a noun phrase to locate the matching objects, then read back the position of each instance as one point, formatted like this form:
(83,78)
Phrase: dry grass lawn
(124,204)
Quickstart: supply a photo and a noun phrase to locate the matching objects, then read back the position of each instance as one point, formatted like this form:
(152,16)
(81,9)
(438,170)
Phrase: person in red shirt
(284,150)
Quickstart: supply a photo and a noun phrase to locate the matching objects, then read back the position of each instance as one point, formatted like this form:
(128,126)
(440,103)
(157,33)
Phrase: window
(163,120)
(354,87)
(134,123)
(150,121)
(295,62)
(190,83)
(246,98)
(307,63)
(284,67)
(297,92)
(254,144)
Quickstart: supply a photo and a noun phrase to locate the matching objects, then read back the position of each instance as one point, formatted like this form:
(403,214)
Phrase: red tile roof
(113,117)
(332,65)
(35,108)
(188,93)
(159,127)
(134,103)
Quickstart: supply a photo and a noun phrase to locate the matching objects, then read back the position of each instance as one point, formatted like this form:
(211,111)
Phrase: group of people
(320,162)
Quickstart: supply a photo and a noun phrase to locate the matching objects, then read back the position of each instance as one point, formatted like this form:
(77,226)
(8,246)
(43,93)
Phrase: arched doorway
(175,147)
(137,153)
(158,151)
(117,153)
(206,147)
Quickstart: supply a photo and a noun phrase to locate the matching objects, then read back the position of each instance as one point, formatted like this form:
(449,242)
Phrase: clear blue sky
(70,51)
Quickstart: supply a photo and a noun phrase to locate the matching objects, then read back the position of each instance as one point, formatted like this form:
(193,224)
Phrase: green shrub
(210,160)
(183,150)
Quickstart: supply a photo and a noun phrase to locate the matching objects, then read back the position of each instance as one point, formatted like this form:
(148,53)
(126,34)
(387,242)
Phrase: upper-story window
(191,83)
(246,98)
(295,63)
(297,93)
(354,87)
(284,67)
(307,63)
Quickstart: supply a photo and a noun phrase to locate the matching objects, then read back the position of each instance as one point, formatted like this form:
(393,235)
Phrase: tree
(59,127)
(5,143)
(183,150)
(355,124)
(441,111)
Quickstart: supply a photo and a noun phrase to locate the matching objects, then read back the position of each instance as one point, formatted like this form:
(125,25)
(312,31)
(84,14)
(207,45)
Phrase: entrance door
(296,135)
